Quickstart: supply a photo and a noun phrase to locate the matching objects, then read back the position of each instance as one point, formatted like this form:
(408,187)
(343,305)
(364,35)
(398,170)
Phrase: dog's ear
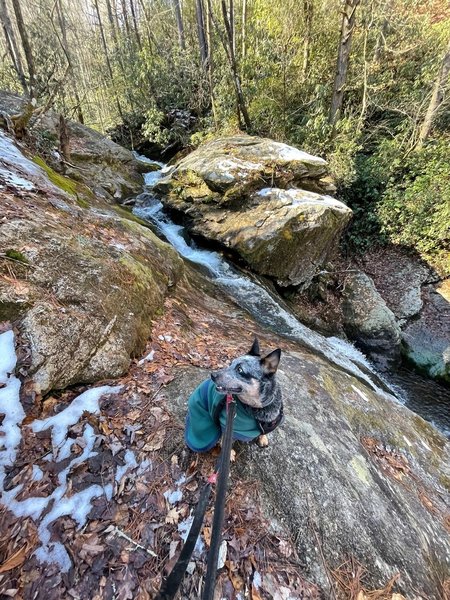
(270,362)
(254,350)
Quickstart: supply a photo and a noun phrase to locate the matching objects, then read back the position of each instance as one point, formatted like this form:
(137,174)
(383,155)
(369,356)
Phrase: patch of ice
(147,358)
(180,480)
(54,553)
(130,463)
(37,473)
(60,423)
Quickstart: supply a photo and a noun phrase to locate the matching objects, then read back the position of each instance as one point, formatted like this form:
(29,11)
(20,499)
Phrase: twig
(121,534)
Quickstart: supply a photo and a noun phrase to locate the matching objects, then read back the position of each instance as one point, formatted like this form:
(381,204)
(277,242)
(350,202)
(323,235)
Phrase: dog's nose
(214,375)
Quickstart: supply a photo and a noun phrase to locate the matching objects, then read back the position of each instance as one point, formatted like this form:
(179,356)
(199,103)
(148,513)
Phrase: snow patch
(10,405)
(79,504)
(286,152)
(130,463)
(37,473)
(15,180)
(147,358)
(183,529)
(60,423)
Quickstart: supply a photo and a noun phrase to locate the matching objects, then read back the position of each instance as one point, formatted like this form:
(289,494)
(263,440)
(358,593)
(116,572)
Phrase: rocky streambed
(89,290)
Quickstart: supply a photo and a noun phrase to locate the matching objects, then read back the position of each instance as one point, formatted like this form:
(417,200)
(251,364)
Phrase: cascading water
(253,297)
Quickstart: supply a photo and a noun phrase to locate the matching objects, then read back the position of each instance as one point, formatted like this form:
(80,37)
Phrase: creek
(425,397)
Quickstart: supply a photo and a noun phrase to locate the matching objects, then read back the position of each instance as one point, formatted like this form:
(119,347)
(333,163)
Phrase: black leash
(170,586)
(219,506)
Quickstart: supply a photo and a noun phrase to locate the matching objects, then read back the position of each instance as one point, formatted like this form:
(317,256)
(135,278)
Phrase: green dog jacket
(203,429)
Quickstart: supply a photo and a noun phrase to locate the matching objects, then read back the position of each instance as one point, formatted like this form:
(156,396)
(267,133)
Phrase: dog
(259,408)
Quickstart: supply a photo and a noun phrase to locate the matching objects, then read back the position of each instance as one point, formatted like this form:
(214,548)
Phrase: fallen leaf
(172,516)
(15,560)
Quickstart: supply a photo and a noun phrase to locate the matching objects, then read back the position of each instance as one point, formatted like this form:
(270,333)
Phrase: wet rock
(350,473)
(108,169)
(223,189)
(367,319)
(91,279)
(426,339)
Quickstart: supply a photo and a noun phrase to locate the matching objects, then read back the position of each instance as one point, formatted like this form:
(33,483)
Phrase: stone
(350,473)
(106,168)
(91,279)
(367,319)
(426,339)
(238,191)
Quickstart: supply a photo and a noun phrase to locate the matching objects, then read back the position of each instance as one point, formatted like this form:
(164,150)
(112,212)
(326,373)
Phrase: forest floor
(126,506)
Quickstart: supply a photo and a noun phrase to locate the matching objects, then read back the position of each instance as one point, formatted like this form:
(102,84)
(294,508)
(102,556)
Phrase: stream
(423,396)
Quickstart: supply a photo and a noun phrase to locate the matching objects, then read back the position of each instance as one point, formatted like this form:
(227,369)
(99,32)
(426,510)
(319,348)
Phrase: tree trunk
(180,27)
(105,49)
(308,19)
(64,138)
(241,106)
(232,27)
(209,17)
(65,45)
(11,44)
(244,30)
(125,18)
(26,47)
(201,32)
(135,24)
(343,59)
(437,98)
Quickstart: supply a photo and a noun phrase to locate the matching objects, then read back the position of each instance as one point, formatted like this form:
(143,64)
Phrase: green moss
(64,183)
(17,256)
(127,214)
(82,203)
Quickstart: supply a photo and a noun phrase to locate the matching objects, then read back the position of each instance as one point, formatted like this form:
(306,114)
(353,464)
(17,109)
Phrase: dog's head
(250,376)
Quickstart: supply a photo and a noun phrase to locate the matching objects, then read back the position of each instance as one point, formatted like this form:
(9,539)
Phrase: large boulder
(241,192)
(110,170)
(426,339)
(351,473)
(367,319)
(82,282)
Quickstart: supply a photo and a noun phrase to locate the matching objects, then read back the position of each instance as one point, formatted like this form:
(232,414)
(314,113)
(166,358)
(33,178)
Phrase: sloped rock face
(350,473)
(426,340)
(281,231)
(108,169)
(367,319)
(83,283)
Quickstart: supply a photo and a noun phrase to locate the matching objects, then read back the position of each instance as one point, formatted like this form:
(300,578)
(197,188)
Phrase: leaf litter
(116,486)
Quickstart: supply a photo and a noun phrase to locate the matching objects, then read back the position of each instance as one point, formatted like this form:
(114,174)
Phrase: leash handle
(219,505)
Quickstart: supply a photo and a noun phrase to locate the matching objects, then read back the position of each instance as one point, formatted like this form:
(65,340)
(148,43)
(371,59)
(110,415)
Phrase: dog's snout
(214,375)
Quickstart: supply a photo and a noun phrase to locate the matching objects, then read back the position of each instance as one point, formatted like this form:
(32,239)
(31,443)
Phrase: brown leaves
(17,559)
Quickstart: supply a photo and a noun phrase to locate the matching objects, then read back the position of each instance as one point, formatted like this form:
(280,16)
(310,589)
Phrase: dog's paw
(263,441)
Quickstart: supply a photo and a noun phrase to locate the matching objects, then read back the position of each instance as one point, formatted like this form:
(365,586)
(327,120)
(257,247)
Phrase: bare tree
(244,30)
(228,46)
(67,52)
(181,40)
(201,32)
(308,19)
(12,46)
(437,97)
(26,48)
(105,49)
(135,24)
(343,59)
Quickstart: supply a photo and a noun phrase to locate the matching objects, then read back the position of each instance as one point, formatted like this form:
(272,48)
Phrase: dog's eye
(240,370)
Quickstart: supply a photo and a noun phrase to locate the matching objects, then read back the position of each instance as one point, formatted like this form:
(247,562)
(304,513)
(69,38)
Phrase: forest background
(362,83)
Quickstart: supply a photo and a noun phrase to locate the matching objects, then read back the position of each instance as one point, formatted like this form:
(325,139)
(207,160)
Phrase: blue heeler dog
(259,407)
